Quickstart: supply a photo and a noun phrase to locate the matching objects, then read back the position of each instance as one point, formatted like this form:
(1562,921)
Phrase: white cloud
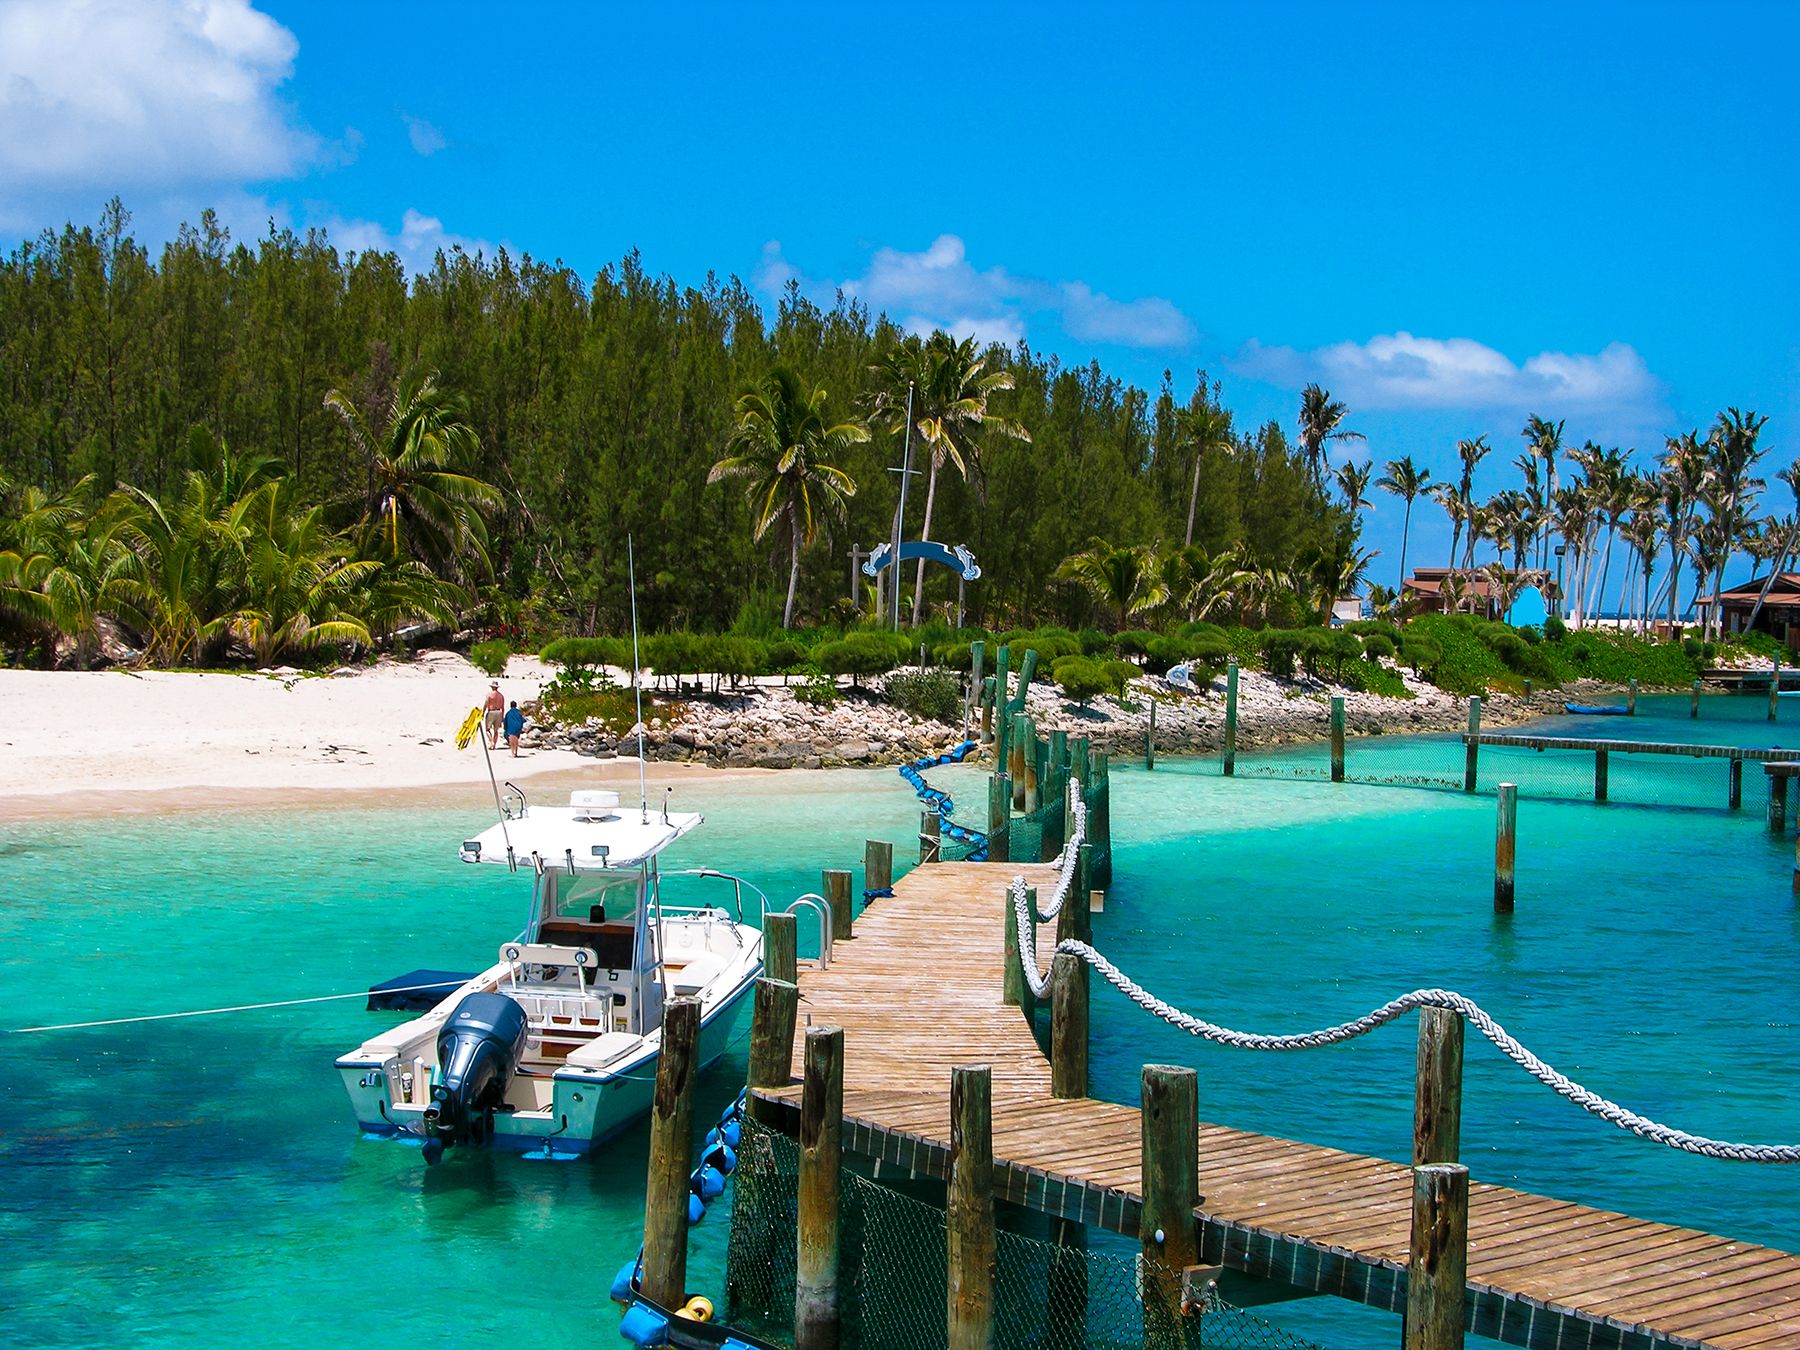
(1399,370)
(418,242)
(100,96)
(938,287)
(426,139)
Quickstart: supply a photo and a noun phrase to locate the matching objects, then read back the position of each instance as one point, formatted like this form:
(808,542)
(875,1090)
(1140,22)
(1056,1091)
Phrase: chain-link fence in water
(893,1275)
(1626,777)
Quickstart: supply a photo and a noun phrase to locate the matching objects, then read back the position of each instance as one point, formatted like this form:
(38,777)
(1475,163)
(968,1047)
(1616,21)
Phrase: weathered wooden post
(878,865)
(816,1324)
(1015,758)
(1471,744)
(1694,709)
(1055,822)
(1437,1270)
(1068,1025)
(969,1211)
(1150,738)
(1601,758)
(1229,765)
(1797,864)
(931,826)
(772,1020)
(671,1143)
(836,885)
(1528,688)
(1002,661)
(1505,844)
(999,819)
(1032,795)
(1073,922)
(1778,795)
(976,702)
(1337,738)
(1169,1164)
(781,960)
(1100,823)
(1080,766)
(1734,789)
(1774,688)
(1631,697)
(1437,1088)
(1015,990)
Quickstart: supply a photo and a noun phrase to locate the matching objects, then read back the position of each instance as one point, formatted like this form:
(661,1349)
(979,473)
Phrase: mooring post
(1015,759)
(1631,697)
(931,826)
(781,960)
(1774,688)
(837,899)
(1015,990)
(1601,758)
(976,702)
(1100,822)
(1694,709)
(1002,714)
(1229,765)
(1527,688)
(774,1014)
(1150,738)
(1437,1088)
(671,1142)
(1032,795)
(969,1211)
(1169,1165)
(1797,864)
(821,1152)
(1778,795)
(1437,1269)
(1055,822)
(999,821)
(1068,1025)
(1337,738)
(1506,830)
(1073,922)
(1079,766)
(1473,747)
(878,865)
(1734,790)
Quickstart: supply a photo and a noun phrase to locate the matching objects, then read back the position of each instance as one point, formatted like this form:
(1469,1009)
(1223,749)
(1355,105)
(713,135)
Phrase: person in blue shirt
(515,727)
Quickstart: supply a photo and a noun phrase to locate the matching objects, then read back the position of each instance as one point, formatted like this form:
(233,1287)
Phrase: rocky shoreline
(764,726)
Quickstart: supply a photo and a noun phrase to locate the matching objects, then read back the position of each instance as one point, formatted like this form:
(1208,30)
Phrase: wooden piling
(1031,796)
(781,947)
(1631,697)
(878,865)
(1505,844)
(836,885)
(1002,661)
(1734,790)
(1015,760)
(1437,1269)
(971,1246)
(1068,1025)
(1437,1088)
(1015,990)
(1080,767)
(1602,760)
(1150,738)
(999,818)
(1169,1165)
(671,1143)
(1778,796)
(1774,688)
(774,1014)
(1229,764)
(1337,738)
(931,826)
(1470,752)
(977,701)
(1694,708)
(816,1318)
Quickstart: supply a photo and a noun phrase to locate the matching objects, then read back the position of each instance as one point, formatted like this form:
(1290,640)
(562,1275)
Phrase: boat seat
(696,974)
(604,1049)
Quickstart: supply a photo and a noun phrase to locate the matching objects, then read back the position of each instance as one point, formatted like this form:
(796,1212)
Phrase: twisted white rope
(1066,863)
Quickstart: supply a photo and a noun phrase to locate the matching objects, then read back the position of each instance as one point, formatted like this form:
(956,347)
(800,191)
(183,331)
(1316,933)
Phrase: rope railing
(1561,1084)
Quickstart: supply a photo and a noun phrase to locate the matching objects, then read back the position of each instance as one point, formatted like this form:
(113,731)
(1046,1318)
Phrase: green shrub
(1201,630)
(1555,630)
(491,657)
(1373,678)
(1133,642)
(1368,628)
(1376,646)
(1421,653)
(1121,673)
(1093,642)
(935,695)
(1080,678)
(1694,648)
(955,656)
(857,655)
(1051,644)
(612,708)
(781,656)
(578,652)
(1280,647)
(819,690)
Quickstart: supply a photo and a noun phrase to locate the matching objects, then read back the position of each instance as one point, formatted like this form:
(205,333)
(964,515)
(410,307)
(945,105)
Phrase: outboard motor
(477,1051)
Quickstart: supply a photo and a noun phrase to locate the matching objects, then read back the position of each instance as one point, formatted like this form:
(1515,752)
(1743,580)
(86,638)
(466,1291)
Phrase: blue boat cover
(385,997)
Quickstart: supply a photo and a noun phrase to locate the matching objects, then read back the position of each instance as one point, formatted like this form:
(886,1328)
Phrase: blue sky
(1450,216)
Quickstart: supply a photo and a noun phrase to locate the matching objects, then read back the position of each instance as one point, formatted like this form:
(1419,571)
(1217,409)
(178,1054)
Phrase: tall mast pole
(906,469)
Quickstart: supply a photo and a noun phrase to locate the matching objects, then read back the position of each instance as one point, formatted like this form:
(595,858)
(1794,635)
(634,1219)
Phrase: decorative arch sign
(957,558)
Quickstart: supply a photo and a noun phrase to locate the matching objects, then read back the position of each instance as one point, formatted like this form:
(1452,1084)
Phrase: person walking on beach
(515,728)
(495,709)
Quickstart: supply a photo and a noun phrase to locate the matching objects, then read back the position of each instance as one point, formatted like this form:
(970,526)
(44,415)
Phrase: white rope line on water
(241,1007)
(1503,1040)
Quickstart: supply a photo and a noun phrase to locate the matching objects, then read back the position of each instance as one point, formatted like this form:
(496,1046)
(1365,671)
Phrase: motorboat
(554,1046)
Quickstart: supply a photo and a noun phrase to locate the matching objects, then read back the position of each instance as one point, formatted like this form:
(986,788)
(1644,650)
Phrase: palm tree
(1406,481)
(1456,506)
(1573,516)
(1681,480)
(1790,476)
(950,388)
(1353,482)
(89,574)
(1321,420)
(1471,453)
(779,448)
(1334,570)
(300,588)
(1543,441)
(1206,427)
(1126,577)
(420,500)
(1733,453)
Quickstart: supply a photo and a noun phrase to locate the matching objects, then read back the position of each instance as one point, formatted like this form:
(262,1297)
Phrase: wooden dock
(918,992)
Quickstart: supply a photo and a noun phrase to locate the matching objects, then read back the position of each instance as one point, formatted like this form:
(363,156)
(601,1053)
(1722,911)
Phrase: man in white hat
(495,710)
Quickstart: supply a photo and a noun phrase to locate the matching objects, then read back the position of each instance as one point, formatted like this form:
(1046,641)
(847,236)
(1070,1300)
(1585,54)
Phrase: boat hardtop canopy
(593,833)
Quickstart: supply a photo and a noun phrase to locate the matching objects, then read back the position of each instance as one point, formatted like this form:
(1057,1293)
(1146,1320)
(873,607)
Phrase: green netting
(893,1275)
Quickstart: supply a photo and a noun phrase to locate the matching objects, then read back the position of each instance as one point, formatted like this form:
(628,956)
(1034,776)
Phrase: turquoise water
(199,1182)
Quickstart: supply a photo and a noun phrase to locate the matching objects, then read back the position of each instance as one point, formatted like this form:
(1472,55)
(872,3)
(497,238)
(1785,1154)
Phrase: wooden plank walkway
(1624,747)
(918,992)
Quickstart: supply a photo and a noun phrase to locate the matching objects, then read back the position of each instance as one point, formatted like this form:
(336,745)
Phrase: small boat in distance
(554,1046)
(1597,709)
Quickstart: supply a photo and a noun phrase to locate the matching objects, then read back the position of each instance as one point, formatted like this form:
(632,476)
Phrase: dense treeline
(599,408)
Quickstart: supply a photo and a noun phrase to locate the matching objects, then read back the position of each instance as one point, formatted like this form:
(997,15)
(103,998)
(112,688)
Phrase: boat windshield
(591,898)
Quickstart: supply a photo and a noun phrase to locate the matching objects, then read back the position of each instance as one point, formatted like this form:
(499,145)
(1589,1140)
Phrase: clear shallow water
(199,1182)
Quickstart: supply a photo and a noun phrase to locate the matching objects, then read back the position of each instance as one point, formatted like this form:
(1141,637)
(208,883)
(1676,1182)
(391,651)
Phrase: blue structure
(1528,609)
(958,559)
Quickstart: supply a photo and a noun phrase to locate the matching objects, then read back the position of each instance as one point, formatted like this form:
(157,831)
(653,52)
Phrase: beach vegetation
(1082,679)
(934,695)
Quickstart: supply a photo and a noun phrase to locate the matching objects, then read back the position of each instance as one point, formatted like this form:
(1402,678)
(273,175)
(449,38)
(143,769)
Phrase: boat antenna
(637,681)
